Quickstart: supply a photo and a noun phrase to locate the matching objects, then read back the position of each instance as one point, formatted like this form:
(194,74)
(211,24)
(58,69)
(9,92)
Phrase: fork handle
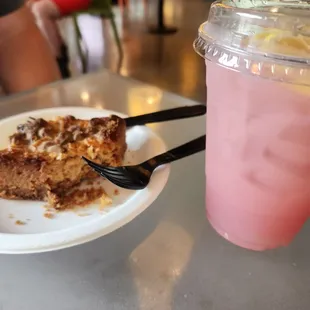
(166,115)
(182,151)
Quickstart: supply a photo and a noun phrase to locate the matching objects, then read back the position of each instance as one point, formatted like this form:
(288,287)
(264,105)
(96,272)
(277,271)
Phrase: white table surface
(167,258)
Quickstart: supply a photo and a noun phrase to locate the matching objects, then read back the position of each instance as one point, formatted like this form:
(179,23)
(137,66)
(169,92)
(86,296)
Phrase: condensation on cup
(257,55)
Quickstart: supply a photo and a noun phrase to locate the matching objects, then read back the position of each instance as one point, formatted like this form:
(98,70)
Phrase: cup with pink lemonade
(257,55)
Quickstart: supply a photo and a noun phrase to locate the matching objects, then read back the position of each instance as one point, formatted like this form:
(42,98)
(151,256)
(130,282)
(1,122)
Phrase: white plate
(69,228)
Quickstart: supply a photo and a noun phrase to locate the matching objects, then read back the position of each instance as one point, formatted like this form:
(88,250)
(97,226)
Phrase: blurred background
(135,41)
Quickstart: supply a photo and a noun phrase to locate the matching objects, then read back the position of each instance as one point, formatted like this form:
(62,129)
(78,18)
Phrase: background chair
(102,8)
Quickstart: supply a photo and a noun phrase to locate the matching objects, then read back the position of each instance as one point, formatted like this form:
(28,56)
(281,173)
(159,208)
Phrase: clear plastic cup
(258,121)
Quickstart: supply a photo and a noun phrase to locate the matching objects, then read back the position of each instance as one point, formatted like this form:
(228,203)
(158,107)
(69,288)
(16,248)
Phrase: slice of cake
(43,160)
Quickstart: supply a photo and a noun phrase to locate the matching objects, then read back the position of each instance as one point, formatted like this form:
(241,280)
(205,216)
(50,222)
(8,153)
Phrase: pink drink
(258,120)
(258,159)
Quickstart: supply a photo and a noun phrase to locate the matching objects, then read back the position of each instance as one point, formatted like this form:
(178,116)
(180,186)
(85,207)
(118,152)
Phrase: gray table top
(167,258)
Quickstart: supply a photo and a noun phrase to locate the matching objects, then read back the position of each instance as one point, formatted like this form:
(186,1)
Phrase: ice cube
(297,134)
(299,169)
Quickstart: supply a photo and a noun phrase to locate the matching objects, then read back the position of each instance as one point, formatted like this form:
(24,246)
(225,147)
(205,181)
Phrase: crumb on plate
(49,209)
(18,222)
(116,192)
(83,214)
(49,215)
(105,201)
(11,216)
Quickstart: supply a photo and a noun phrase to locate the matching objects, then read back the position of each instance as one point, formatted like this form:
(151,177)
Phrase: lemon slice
(268,35)
(304,90)
(294,42)
(274,40)
(284,42)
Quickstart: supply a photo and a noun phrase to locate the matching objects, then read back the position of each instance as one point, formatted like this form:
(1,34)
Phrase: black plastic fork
(166,115)
(138,176)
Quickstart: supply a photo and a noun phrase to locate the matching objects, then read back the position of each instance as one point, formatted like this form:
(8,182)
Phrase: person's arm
(26,60)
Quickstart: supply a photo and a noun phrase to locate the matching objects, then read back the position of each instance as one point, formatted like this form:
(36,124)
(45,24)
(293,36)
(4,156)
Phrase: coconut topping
(59,136)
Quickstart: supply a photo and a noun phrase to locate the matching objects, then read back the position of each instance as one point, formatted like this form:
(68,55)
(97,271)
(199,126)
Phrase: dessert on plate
(43,159)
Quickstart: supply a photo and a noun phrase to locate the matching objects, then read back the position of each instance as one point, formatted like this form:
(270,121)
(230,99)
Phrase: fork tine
(115,170)
(99,168)
(125,183)
(89,162)
(113,178)
(113,174)
(93,165)
(122,179)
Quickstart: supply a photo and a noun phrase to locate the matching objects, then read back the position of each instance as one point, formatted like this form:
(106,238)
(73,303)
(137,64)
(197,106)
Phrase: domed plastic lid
(269,38)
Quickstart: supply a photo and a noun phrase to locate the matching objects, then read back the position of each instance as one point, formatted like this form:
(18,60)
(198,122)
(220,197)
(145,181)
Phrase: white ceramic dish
(69,228)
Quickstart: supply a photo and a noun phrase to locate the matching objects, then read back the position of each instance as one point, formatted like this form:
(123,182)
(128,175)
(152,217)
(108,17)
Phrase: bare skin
(46,15)
(26,60)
